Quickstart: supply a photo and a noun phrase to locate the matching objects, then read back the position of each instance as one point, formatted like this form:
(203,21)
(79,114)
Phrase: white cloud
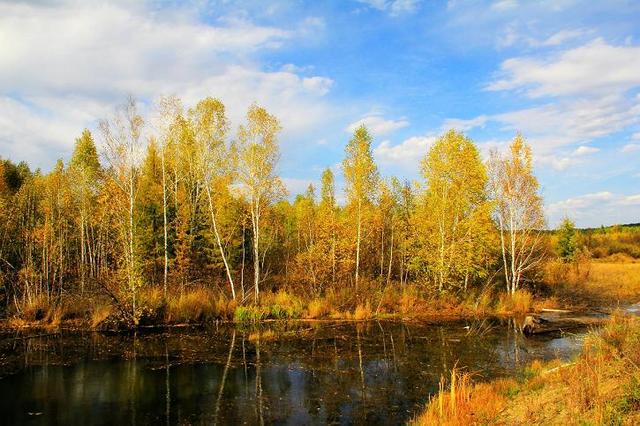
(636,136)
(592,69)
(594,208)
(464,125)
(631,147)
(297,186)
(407,154)
(377,124)
(585,150)
(393,7)
(63,65)
(560,37)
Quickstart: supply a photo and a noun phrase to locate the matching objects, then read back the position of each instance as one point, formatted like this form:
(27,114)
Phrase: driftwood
(537,324)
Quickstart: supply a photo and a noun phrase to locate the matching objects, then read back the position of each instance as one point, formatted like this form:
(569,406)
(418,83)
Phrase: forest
(177,218)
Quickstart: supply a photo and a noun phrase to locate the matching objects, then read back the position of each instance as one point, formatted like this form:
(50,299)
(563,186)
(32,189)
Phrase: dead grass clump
(193,306)
(363,312)
(35,309)
(464,403)
(409,300)
(318,308)
(100,313)
(520,302)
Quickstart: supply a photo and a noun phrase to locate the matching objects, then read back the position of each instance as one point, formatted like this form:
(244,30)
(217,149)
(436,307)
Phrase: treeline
(177,200)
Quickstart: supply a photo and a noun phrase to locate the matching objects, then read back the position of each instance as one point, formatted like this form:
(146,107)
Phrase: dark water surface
(314,373)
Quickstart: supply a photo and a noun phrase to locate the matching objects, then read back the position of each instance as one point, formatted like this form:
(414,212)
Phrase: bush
(192,307)
(363,312)
(248,314)
(519,302)
(318,308)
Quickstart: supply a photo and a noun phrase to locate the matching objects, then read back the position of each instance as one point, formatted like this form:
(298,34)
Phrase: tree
(517,211)
(455,207)
(85,171)
(361,176)
(329,217)
(122,149)
(167,111)
(210,129)
(567,240)
(258,155)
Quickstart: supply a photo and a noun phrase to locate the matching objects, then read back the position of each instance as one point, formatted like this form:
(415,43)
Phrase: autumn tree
(517,211)
(210,131)
(122,136)
(85,172)
(455,209)
(168,109)
(258,155)
(328,212)
(361,176)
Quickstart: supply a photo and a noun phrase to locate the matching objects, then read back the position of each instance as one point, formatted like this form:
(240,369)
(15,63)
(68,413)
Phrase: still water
(312,373)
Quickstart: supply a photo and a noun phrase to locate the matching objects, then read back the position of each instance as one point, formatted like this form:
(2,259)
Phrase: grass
(568,285)
(193,306)
(518,303)
(596,283)
(602,386)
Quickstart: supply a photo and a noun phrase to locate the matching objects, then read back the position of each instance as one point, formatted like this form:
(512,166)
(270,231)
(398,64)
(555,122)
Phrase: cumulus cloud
(592,69)
(631,147)
(377,124)
(589,93)
(66,64)
(406,155)
(593,208)
(464,125)
(585,150)
(560,37)
(392,7)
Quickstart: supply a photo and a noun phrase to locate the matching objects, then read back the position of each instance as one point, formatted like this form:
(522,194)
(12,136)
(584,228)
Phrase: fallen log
(537,324)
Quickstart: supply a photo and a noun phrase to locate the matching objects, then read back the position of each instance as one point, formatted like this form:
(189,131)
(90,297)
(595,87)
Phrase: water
(336,373)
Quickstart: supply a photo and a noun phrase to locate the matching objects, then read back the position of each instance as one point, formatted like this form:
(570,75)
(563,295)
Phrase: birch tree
(361,176)
(455,206)
(84,170)
(167,110)
(210,131)
(258,155)
(122,150)
(518,211)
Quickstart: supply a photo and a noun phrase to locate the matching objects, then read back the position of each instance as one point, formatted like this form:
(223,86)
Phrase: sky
(564,73)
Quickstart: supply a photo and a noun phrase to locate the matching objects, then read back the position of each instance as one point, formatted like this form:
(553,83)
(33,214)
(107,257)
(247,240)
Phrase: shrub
(519,302)
(318,308)
(100,314)
(248,314)
(194,306)
(363,312)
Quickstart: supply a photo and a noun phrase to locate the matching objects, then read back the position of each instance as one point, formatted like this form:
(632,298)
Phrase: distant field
(620,281)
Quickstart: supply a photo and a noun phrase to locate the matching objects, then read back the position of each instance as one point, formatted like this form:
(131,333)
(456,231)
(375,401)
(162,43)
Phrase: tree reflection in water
(366,373)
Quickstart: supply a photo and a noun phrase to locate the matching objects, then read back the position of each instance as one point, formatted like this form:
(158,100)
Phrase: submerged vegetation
(601,386)
(175,221)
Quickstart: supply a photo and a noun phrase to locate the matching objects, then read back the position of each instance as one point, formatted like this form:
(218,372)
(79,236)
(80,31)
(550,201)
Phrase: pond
(284,373)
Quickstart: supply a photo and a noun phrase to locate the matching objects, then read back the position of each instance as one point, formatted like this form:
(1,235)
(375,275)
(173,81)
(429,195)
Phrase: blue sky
(565,73)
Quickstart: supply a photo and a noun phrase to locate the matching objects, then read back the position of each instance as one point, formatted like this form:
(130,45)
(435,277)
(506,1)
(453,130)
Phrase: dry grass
(194,306)
(596,284)
(518,303)
(462,403)
(318,308)
(601,387)
(99,314)
(363,312)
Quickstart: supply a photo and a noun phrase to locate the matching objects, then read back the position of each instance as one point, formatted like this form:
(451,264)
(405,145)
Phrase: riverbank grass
(601,386)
